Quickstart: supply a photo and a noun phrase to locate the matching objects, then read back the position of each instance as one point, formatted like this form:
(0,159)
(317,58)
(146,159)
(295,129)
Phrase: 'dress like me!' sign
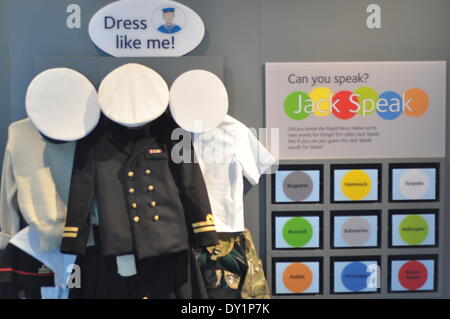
(144,28)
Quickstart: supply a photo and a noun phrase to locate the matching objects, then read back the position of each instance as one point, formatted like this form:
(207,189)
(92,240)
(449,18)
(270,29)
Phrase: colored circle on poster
(297,186)
(354,276)
(413,229)
(345,105)
(418,102)
(356,185)
(392,106)
(368,99)
(321,97)
(295,105)
(356,231)
(297,232)
(413,275)
(414,184)
(297,277)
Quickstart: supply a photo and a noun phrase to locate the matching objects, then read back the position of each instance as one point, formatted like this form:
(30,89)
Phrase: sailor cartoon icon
(169,26)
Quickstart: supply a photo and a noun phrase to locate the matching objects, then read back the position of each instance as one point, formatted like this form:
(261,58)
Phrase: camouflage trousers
(233,270)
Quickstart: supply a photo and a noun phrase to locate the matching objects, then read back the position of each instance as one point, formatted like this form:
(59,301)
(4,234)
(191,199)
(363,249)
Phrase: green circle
(292,103)
(413,229)
(368,97)
(297,232)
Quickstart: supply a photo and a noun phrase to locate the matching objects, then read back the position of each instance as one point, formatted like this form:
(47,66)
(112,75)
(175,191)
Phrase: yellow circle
(130,174)
(321,98)
(356,184)
(156,218)
(136,219)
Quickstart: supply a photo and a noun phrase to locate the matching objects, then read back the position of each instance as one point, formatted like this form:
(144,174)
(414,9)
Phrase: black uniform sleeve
(196,201)
(81,195)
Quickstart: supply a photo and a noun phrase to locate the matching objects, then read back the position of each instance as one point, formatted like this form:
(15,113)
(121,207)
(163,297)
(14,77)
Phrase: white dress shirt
(226,154)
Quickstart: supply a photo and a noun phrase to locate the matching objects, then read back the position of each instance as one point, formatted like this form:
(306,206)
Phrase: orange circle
(297,277)
(419,102)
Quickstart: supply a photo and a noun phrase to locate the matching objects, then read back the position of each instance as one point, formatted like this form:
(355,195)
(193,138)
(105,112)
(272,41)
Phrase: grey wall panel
(324,30)
(247,34)
(5,108)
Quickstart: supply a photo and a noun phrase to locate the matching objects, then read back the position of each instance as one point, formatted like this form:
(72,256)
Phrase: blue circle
(393,107)
(354,276)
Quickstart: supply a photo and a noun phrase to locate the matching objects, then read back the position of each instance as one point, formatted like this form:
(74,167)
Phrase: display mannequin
(227,151)
(150,207)
(62,107)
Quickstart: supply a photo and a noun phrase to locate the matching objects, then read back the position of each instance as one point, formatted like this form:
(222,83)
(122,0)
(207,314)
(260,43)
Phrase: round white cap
(62,104)
(133,95)
(198,101)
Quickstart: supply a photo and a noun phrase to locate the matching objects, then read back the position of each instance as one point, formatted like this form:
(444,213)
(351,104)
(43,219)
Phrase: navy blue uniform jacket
(148,205)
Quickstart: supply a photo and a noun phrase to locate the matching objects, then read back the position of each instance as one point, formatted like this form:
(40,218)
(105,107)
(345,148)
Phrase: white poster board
(342,110)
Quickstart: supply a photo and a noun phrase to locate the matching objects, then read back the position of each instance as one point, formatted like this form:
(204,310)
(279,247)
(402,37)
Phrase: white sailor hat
(198,101)
(133,95)
(62,104)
